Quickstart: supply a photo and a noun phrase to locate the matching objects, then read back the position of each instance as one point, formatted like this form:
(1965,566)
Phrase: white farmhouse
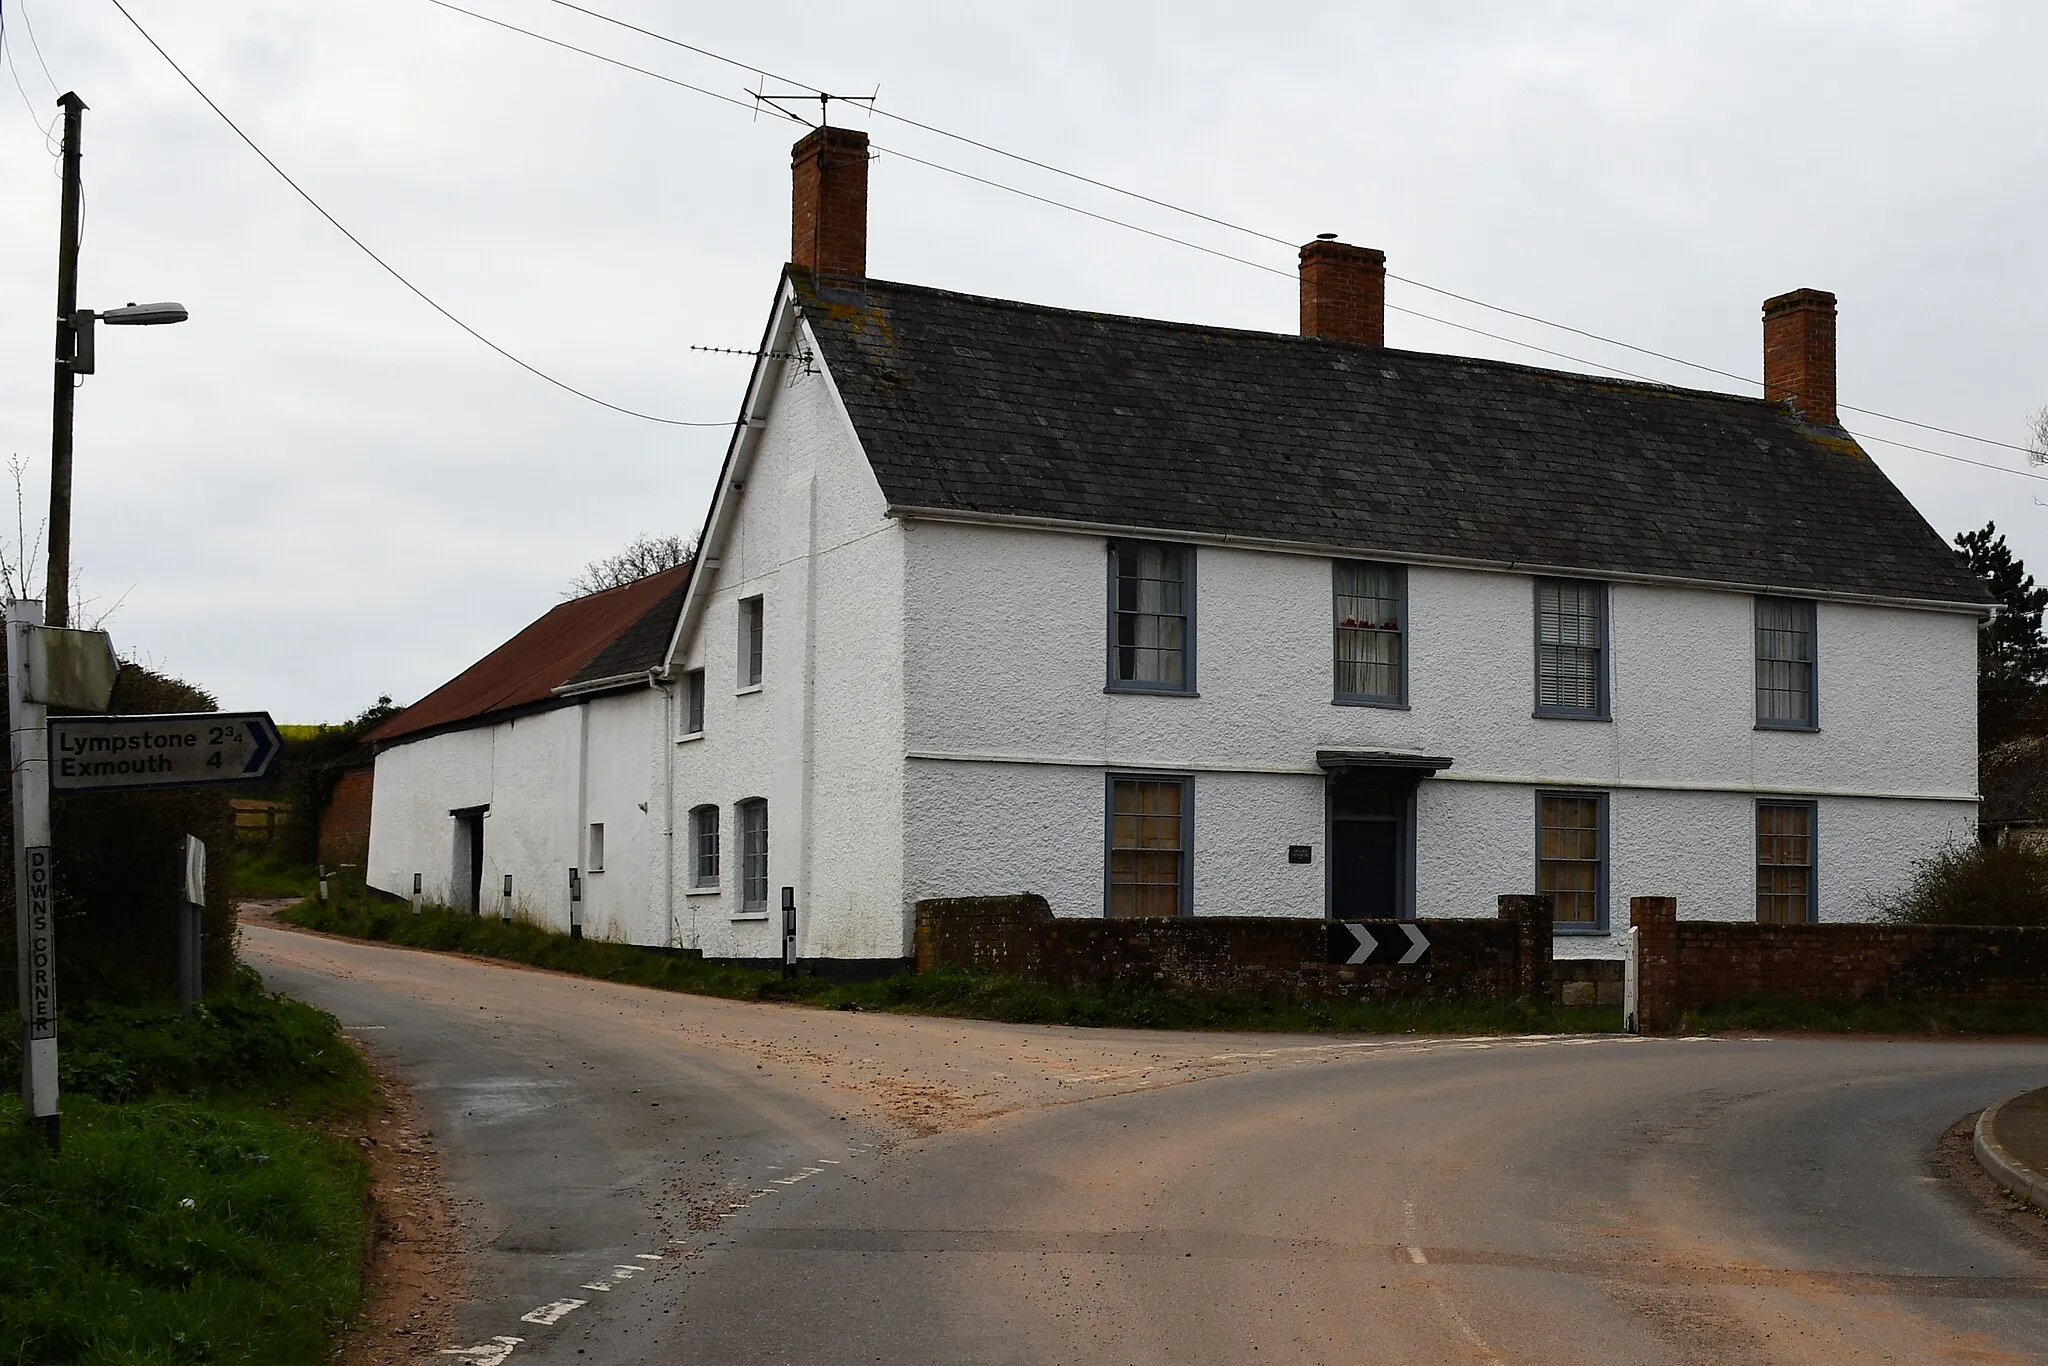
(1158,619)
(541,763)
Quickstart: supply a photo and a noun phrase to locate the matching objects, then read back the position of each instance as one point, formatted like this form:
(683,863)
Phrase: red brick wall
(1507,958)
(1687,963)
(345,824)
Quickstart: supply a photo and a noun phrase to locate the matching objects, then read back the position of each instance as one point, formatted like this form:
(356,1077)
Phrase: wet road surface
(659,1178)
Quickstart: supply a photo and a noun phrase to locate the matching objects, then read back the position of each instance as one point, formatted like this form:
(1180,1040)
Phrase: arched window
(753,851)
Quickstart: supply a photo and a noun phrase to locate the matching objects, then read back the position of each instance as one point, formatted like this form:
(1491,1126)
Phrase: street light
(134,315)
(75,358)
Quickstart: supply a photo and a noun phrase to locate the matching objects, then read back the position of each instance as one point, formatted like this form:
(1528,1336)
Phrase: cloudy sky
(318,490)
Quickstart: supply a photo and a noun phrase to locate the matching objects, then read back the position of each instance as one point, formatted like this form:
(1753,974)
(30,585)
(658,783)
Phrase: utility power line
(388,268)
(1239,228)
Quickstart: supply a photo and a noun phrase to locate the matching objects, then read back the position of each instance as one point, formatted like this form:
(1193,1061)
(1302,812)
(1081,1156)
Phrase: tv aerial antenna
(780,100)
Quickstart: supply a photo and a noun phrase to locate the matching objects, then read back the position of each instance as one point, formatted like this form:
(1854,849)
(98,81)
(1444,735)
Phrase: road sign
(1394,942)
(109,753)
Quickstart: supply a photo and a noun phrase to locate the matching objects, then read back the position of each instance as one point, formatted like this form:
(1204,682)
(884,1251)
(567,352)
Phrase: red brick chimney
(1344,292)
(828,222)
(1799,353)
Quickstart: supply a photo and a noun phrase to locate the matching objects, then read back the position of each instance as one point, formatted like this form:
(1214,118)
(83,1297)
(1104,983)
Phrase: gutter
(1322,549)
(610,684)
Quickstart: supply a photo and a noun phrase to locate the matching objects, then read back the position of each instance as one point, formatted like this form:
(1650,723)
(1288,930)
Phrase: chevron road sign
(1395,943)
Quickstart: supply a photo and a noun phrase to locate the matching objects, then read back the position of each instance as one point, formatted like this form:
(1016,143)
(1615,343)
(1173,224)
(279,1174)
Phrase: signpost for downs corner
(51,667)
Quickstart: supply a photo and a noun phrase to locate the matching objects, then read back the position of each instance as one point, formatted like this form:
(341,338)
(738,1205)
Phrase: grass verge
(197,1212)
(1934,1019)
(949,992)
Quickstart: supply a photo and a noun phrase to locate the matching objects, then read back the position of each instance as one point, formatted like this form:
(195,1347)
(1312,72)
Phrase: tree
(642,556)
(2037,440)
(2012,653)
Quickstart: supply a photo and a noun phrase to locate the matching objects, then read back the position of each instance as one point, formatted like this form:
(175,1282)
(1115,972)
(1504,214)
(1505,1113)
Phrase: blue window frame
(704,847)
(1787,672)
(1149,841)
(1571,649)
(753,850)
(753,625)
(1151,617)
(1571,858)
(1369,614)
(1787,844)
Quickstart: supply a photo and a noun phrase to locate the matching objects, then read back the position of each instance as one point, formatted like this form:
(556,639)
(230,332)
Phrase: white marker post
(35,917)
(194,902)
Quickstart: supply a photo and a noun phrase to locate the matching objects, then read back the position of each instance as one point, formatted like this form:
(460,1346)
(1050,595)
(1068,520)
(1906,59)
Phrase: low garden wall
(1688,963)
(1507,958)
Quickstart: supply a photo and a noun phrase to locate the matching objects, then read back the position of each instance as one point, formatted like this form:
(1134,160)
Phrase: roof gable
(993,408)
(603,635)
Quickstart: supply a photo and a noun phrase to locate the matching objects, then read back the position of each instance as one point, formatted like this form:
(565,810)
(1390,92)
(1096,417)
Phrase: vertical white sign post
(35,915)
(192,901)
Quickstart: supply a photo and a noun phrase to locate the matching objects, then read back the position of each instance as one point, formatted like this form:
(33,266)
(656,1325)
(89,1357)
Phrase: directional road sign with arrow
(1393,942)
(105,753)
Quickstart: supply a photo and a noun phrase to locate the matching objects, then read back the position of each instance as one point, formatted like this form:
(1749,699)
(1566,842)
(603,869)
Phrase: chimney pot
(1343,292)
(1799,353)
(828,227)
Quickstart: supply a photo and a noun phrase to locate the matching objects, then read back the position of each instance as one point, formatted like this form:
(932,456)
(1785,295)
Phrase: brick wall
(345,824)
(1508,957)
(1687,963)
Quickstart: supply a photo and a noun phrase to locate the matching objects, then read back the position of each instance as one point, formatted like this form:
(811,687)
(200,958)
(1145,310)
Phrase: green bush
(1975,884)
(241,1044)
(272,872)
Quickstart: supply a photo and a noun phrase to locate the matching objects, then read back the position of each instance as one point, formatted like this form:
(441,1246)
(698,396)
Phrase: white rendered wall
(1005,638)
(545,777)
(822,738)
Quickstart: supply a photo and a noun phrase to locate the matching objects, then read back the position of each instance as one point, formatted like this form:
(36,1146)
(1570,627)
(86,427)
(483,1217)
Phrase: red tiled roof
(530,666)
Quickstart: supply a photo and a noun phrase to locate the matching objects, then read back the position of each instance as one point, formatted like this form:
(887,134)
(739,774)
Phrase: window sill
(750,689)
(688,736)
(702,891)
(1788,727)
(1381,703)
(1116,691)
(739,916)
(1570,716)
(1581,931)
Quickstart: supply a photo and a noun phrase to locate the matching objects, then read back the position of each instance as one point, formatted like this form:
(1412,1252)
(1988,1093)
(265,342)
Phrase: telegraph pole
(57,592)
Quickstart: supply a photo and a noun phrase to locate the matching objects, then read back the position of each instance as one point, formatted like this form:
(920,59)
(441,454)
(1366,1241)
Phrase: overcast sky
(318,490)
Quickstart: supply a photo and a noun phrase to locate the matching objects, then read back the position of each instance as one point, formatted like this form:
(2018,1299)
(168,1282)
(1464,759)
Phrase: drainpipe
(668,807)
(582,831)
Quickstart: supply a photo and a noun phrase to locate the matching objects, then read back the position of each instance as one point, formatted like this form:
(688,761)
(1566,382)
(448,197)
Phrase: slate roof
(986,406)
(622,630)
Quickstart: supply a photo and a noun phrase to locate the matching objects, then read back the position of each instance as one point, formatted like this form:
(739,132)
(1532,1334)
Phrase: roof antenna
(761,97)
(1326,237)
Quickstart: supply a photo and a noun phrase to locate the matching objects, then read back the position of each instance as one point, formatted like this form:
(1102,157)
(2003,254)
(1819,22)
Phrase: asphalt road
(657,1178)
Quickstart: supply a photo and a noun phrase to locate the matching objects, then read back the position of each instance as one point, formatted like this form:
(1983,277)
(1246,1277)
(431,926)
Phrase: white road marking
(625,1273)
(803,1175)
(552,1313)
(594,1285)
(648,1256)
(1437,1289)
(492,1353)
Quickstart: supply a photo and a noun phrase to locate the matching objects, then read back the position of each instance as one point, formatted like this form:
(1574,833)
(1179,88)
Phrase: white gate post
(1630,974)
(35,912)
